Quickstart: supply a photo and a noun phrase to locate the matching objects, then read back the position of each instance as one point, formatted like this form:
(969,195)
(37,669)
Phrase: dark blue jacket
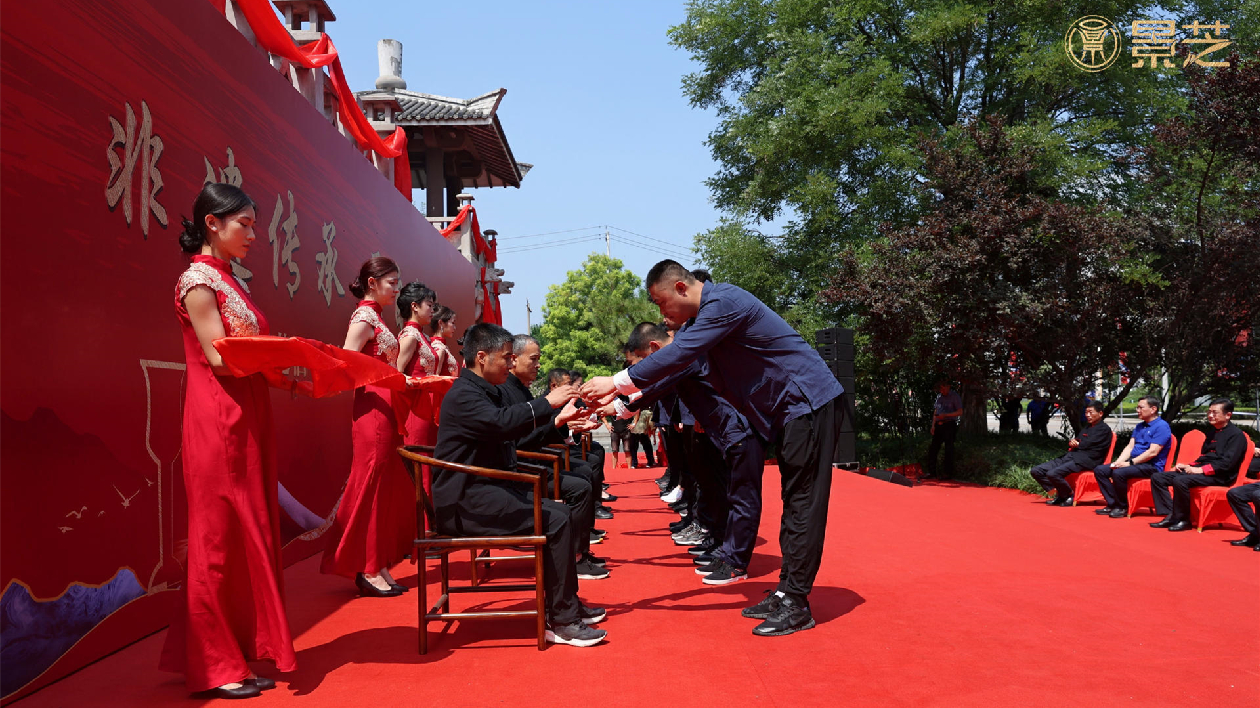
(756,361)
(721,422)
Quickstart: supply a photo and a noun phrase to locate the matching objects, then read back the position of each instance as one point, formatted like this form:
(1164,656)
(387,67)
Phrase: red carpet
(940,595)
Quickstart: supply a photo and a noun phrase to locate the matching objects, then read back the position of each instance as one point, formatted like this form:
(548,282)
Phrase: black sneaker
(610,497)
(765,608)
(704,559)
(708,546)
(589,571)
(723,573)
(576,634)
(603,513)
(591,615)
(599,532)
(791,616)
(593,559)
(596,538)
(679,525)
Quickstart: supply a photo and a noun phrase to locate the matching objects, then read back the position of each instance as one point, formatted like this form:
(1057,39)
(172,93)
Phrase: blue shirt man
(781,385)
(1146,454)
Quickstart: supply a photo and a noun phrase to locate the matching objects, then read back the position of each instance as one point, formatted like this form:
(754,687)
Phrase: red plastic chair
(1210,505)
(1084,484)
(1190,449)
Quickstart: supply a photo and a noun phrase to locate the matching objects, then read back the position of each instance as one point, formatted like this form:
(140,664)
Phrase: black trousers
(489,510)
(1179,505)
(942,434)
(1113,482)
(577,489)
(806,448)
(637,439)
(594,458)
(1050,475)
(1245,501)
(675,450)
(746,461)
(711,475)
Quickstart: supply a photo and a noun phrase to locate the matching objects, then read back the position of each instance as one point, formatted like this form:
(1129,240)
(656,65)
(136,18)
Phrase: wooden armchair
(431,542)
(542,463)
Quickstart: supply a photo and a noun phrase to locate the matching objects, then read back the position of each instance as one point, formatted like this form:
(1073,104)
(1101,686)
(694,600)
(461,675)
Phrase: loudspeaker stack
(836,347)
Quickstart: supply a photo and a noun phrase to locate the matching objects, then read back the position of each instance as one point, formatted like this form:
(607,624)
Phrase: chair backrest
(1111,450)
(1191,446)
(416,456)
(424,505)
(1241,479)
(1171,460)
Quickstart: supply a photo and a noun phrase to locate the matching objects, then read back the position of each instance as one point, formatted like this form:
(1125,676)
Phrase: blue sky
(594,102)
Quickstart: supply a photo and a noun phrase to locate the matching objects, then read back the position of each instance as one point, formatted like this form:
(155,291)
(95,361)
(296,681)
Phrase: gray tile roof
(424,107)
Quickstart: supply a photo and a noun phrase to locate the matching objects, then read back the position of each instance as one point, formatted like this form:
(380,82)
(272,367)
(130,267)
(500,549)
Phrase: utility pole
(528,325)
(607,247)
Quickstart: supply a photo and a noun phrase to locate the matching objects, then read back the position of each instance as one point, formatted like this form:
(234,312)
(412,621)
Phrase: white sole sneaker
(673,496)
(556,639)
(703,570)
(709,580)
(595,620)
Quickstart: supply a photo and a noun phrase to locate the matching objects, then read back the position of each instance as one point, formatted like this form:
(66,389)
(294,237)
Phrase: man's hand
(583,424)
(1121,463)
(608,410)
(568,413)
(598,389)
(1073,444)
(561,395)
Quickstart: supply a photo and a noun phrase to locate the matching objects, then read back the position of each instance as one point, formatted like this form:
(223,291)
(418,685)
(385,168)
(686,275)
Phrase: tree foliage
(587,318)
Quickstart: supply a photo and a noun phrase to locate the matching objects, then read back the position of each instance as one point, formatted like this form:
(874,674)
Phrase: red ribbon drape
(273,37)
(332,369)
(490,311)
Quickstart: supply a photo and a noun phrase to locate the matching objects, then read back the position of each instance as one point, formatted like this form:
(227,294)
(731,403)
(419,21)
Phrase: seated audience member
(576,485)
(593,455)
(562,377)
(1146,454)
(480,428)
(1085,451)
(1245,501)
(1218,466)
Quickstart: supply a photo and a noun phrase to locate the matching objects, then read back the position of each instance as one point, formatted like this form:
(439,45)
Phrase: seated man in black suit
(1245,500)
(577,487)
(1218,465)
(1085,452)
(480,428)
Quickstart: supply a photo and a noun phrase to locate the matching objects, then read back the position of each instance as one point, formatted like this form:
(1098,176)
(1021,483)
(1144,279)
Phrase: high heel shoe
(399,588)
(367,589)
(262,682)
(245,690)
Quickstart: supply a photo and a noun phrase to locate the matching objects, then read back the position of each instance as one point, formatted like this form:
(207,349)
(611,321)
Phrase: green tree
(587,318)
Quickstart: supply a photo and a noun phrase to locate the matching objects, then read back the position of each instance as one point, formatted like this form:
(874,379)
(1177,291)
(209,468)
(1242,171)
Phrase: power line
(628,231)
(551,244)
(549,233)
(652,248)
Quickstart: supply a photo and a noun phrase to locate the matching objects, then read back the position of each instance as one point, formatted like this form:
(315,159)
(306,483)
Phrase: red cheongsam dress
(376,521)
(448,363)
(231,607)
(421,431)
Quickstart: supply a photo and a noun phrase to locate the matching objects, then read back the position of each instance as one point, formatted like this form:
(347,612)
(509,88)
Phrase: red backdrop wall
(114,115)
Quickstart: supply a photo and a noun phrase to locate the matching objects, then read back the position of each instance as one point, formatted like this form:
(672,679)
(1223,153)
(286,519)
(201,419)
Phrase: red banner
(114,115)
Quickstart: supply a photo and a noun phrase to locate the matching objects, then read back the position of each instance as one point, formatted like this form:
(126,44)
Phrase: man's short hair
(667,269)
(557,377)
(574,374)
(646,332)
(484,337)
(1227,406)
(520,341)
(1151,401)
(702,275)
(1097,405)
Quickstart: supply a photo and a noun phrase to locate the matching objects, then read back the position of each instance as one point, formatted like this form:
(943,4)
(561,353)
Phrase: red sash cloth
(332,369)
(231,607)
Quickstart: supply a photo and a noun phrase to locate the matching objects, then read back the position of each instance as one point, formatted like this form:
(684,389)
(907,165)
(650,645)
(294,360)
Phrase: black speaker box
(836,352)
(846,448)
(890,476)
(833,335)
(841,370)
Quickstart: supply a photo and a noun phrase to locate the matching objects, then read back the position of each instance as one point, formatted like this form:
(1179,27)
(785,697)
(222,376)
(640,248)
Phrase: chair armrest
(555,466)
(469,469)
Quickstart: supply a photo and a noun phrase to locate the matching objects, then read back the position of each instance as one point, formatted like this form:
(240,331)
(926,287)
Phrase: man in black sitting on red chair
(1085,452)
(1218,466)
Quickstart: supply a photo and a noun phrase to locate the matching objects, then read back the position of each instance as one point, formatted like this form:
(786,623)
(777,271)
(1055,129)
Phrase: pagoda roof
(475,117)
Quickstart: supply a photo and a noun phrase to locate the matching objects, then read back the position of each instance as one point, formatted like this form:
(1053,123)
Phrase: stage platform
(940,595)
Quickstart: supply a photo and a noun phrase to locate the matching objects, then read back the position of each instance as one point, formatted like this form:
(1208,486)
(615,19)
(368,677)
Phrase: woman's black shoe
(245,690)
(262,682)
(367,589)
(399,588)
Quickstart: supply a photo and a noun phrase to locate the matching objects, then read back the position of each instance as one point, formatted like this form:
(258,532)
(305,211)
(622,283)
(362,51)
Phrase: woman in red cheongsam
(375,524)
(231,608)
(443,328)
(417,358)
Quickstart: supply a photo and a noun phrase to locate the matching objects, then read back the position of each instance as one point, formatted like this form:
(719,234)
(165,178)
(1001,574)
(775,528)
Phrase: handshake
(582,407)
